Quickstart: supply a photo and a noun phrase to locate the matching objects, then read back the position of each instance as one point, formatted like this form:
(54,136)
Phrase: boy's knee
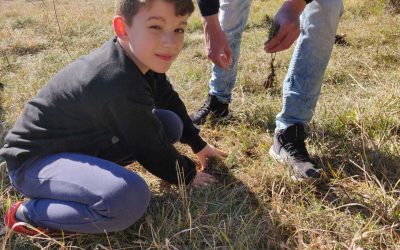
(175,132)
(172,123)
(130,204)
(137,199)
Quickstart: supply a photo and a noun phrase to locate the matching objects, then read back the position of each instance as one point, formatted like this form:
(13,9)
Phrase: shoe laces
(296,148)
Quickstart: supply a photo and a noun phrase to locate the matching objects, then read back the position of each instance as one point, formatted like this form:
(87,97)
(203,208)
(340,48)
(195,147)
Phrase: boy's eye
(180,30)
(156,27)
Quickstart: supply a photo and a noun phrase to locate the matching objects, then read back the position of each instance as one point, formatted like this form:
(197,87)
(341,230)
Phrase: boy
(103,111)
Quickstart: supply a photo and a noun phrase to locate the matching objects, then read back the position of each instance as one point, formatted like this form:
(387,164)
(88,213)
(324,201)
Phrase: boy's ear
(120,27)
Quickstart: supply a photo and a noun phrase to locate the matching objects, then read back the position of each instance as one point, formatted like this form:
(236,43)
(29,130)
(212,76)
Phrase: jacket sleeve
(131,120)
(208,7)
(165,97)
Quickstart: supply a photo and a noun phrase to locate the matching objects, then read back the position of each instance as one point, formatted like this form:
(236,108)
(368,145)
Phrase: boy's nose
(169,40)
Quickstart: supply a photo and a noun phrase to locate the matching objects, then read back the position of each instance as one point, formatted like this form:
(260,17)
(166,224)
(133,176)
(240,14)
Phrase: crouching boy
(105,110)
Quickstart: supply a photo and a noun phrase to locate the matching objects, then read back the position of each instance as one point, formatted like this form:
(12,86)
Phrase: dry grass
(355,135)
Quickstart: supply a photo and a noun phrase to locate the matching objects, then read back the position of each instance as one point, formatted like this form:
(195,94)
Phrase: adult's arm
(217,45)
(208,7)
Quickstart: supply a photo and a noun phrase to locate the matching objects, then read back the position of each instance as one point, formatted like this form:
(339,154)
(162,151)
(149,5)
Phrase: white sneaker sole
(275,155)
(279,159)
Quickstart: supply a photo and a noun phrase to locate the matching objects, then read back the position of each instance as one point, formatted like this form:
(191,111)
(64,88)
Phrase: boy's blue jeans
(302,85)
(81,193)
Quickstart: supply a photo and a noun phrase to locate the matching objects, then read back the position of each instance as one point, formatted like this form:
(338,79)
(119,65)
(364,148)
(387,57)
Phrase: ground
(354,135)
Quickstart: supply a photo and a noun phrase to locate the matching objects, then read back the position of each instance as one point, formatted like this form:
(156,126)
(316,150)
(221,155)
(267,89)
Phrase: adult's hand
(217,44)
(209,151)
(288,21)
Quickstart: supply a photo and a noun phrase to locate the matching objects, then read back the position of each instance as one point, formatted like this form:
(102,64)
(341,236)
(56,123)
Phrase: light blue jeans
(302,85)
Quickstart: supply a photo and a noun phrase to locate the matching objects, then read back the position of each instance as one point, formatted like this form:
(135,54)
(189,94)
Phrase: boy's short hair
(129,8)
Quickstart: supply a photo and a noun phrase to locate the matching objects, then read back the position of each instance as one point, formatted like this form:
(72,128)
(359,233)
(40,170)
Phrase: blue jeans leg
(80,193)
(302,85)
(233,17)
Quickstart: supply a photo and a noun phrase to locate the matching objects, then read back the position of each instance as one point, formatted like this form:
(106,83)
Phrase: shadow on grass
(357,159)
(225,215)
(360,176)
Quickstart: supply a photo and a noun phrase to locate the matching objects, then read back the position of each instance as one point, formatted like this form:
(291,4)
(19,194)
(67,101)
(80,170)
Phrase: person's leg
(233,17)
(302,85)
(172,124)
(80,193)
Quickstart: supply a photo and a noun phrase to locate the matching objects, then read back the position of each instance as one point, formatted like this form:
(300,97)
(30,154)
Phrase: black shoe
(212,107)
(289,148)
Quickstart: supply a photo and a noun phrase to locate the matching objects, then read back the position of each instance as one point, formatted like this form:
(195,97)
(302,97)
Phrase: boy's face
(155,37)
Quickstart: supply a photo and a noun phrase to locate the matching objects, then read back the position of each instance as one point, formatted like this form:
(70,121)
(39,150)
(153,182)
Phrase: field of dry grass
(354,135)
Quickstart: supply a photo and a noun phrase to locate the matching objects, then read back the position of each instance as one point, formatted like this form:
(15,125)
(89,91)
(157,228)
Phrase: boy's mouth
(165,57)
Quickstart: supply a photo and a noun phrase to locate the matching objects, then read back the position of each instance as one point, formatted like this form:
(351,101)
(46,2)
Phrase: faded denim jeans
(302,85)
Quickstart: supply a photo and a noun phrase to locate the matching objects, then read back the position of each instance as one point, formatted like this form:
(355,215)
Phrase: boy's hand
(202,180)
(287,21)
(207,152)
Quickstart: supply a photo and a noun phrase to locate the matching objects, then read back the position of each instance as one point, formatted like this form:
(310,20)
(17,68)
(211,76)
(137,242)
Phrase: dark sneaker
(289,148)
(212,107)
